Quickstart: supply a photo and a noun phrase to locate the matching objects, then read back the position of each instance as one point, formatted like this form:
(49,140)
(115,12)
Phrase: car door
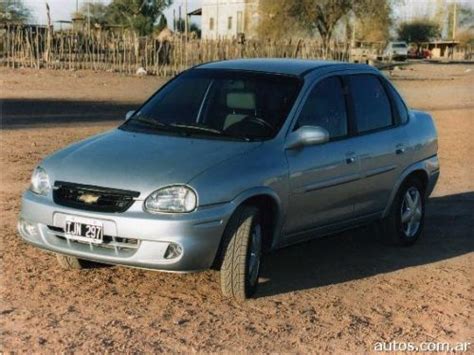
(381,140)
(321,176)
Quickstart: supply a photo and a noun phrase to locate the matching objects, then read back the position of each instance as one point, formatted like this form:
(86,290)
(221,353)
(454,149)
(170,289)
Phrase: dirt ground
(339,294)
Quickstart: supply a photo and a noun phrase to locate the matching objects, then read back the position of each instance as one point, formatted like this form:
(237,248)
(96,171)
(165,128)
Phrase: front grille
(92,198)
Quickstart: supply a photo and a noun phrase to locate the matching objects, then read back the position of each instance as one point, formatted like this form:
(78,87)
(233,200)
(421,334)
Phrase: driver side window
(326,107)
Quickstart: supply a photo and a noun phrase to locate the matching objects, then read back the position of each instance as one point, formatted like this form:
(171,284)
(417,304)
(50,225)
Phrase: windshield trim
(204,100)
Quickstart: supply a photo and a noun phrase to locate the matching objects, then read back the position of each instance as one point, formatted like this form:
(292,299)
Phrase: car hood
(139,161)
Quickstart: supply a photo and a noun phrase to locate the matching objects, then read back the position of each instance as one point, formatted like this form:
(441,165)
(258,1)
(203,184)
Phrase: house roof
(197,12)
(273,65)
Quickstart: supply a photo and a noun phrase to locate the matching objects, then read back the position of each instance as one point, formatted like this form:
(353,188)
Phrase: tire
(71,262)
(242,254)
(404,224)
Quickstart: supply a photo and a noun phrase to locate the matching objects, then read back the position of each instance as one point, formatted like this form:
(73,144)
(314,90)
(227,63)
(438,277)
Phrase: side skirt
(326,230)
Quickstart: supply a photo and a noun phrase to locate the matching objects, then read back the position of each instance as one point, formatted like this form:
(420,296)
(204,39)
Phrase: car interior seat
(240,104)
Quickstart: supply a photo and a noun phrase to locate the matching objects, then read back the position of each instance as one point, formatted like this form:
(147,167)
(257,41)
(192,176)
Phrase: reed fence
(36,47)
(124,52)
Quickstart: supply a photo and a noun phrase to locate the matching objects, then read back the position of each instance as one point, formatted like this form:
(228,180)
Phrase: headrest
(241,100)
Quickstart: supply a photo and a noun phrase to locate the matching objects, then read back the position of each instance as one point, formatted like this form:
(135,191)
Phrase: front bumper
(135,238)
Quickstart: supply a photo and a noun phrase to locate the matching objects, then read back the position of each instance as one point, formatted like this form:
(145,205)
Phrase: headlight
(40,182)
(172,199)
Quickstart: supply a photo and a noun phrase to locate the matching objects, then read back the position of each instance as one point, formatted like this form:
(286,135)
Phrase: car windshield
(399,45)
(226,104)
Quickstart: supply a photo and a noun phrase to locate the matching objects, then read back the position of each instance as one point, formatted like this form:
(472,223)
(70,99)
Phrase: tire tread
(69,262)
(236,239)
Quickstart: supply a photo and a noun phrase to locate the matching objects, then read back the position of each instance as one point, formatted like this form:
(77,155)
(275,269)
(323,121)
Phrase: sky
(62,9)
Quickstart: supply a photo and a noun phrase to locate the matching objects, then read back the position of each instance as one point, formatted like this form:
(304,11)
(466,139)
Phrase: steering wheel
(259,121)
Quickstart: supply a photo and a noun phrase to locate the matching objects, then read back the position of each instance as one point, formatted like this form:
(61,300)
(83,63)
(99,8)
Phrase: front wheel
(405,222)
(242,257)
(70,262)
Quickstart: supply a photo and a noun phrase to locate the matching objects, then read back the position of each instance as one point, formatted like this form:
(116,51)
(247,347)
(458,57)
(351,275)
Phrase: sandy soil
(340,294)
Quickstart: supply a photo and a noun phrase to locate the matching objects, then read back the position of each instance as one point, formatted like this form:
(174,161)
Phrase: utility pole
(217,19)
(47,53)
(89,17)
(454,19)
(186,19)
(353,35)
(186,32)
(174,20)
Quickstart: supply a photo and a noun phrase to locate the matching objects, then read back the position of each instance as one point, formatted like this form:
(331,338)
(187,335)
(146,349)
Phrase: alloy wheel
(411,211)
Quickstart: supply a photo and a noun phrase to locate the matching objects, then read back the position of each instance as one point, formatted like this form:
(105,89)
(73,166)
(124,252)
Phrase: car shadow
(449,232)
(27,113)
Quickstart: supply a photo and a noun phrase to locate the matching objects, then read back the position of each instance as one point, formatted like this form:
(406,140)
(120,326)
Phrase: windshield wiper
(196,128)
(184,129)
(157,124)
(208,130)
(149,121)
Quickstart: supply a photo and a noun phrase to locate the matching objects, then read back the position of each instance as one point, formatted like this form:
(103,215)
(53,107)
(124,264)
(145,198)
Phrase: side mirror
(306,136)
(129,114)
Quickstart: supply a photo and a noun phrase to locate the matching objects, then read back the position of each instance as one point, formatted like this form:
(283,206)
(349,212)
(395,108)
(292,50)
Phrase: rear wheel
(71,262)
(405,222)
(243,253)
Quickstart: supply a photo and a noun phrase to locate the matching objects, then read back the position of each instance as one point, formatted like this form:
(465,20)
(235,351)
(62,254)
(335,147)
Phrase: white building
(228,18)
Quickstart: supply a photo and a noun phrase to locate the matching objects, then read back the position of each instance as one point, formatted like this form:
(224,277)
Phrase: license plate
(85,231)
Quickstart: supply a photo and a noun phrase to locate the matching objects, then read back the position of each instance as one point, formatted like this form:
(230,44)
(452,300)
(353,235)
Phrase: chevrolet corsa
(233,159)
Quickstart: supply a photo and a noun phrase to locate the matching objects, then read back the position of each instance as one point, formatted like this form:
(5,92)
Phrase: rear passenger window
(326,107)
(399,104)
(371,104)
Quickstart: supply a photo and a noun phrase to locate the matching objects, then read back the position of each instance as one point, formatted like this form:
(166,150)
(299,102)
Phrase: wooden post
(8,47)
(185,33)
(48,41)
(37,49)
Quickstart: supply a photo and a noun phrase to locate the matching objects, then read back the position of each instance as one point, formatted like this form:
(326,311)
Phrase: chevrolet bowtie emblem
(88,198)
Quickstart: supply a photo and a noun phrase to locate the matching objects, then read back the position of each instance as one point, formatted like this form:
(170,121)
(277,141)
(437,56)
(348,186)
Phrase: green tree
(374,20)
(139,15)
(14,11)
(321,16)
(194,28)
(95,12)
(465,24)
(162,24)
(418,30)
(324,15)
(466,37)
(179,25)
(465,18)
(277,20)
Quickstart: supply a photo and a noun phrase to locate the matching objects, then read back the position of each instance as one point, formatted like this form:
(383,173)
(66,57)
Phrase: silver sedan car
(232,159)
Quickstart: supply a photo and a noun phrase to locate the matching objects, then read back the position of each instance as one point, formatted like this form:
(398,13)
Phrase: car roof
(284,66)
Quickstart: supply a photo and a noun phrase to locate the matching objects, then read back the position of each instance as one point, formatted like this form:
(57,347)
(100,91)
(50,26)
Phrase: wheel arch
(421,175)
(270,205)
(418,171)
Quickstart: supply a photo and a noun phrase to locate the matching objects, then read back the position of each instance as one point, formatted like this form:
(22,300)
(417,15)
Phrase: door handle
(350,157)
(400,149)
(350,160)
